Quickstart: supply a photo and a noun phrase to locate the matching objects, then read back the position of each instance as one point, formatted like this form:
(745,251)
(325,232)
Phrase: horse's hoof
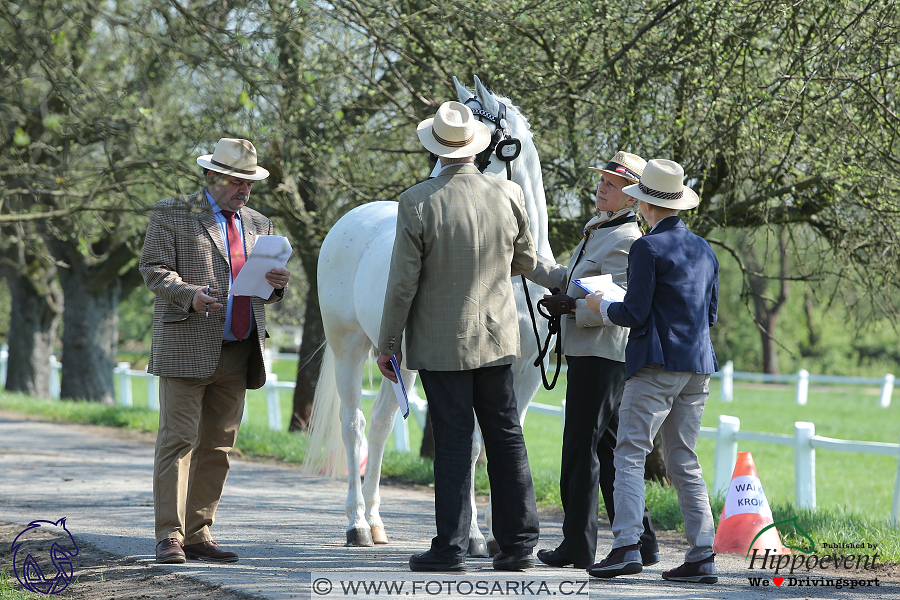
(493,548)
(477,548)
(359,537)
(378,534)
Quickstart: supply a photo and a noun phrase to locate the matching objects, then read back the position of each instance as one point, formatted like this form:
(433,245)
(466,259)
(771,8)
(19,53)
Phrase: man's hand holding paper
(265,268)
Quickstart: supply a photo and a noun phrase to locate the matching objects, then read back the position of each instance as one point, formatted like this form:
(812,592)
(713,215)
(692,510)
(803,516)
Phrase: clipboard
(400,388)
(601,283)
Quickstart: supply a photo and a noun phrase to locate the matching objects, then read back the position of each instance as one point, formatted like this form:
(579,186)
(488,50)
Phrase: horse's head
(30,553)
(511,132)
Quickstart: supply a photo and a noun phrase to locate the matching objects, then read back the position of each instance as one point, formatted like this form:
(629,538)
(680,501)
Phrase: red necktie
(240,309)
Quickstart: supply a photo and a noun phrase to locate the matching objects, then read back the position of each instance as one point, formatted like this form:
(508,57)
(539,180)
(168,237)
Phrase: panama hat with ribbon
(454,132)
(662,184)
(234,157)
(627,165)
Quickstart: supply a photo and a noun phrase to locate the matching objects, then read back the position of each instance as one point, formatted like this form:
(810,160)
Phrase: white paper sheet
(399,388)
(269,252)
(601,283)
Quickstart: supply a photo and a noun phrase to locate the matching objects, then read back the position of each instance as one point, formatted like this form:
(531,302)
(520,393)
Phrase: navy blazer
(671,302)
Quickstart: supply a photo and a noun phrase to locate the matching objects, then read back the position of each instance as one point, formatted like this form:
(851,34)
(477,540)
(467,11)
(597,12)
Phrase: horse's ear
(461,92)
(487,99)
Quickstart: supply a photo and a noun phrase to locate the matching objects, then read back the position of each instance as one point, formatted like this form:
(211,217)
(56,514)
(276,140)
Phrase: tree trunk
(311,352)
(90,336)
(32,330)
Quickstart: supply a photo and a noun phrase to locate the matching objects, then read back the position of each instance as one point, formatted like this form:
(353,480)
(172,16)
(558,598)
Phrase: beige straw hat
(627,165)
(454,132)
(234,157)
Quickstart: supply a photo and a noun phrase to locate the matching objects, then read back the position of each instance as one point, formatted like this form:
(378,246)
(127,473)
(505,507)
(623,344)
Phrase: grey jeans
(672,402)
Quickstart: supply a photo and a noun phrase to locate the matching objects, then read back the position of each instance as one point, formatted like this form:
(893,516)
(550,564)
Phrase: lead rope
(553,328)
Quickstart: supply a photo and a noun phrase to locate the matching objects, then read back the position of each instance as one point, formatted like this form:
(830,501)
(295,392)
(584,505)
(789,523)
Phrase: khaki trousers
(671,402)
(198,426)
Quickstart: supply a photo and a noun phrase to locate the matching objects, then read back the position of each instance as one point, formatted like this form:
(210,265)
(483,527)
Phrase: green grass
(11,589)
(854,491)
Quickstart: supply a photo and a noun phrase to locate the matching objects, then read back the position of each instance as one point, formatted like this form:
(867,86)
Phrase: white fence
(805,441)
(727,434)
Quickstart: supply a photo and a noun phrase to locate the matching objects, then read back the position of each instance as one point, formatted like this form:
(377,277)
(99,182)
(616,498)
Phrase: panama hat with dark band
(662,184)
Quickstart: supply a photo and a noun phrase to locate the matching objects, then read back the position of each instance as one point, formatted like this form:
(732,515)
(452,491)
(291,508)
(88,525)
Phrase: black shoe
(508,562)
(649,557)
(429,561)
(555,558)
(702,571)
(620,561)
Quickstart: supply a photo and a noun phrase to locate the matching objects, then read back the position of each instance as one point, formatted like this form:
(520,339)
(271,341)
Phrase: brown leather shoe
(209,551)
(169,552)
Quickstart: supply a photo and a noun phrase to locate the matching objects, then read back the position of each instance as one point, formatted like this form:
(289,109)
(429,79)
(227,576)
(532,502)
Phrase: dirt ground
(99,575)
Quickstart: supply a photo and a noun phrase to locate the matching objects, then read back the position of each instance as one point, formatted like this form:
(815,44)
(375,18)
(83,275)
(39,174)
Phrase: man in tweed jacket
(204,367)
(460,238)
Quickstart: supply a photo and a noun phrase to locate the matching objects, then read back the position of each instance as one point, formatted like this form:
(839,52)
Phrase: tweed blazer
(603,251)
(184,251)
(460,239)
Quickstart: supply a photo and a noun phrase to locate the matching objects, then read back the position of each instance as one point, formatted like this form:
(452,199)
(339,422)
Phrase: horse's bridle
(503,145)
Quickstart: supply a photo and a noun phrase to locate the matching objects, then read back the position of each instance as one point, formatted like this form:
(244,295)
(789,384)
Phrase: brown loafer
(209,551)
(169,552)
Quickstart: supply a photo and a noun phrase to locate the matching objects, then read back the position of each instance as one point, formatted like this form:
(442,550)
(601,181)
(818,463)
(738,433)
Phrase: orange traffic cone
(745,514)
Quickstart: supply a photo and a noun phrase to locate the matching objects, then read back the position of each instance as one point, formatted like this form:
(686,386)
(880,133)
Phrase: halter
(503,145)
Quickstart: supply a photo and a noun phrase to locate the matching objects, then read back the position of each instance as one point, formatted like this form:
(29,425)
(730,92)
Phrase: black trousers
(455,398)
(593,395)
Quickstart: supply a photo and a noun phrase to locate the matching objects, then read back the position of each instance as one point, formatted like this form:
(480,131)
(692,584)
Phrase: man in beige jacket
(460,238)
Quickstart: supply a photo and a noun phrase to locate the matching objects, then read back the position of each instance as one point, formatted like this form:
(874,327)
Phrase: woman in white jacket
(595,355)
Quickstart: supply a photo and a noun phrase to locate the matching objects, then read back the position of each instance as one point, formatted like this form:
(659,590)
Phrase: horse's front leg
(382,423)
(477,546)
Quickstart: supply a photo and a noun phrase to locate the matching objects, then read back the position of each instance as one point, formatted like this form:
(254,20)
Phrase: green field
(845,481)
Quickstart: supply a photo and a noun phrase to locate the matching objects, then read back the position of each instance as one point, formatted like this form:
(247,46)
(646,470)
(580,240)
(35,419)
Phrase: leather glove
(558,304)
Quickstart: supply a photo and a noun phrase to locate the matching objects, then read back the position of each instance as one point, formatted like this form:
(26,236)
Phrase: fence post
(267,360)
(244,417)
(4,359)
(728,382)
(887,388)
(802,386)
(804,465)
(273,405)
(726,452)
(895,507)
(55,370)
(122,370)
(401,433)
(152,392)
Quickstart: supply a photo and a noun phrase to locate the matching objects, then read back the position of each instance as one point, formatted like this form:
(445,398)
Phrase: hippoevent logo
(41,569)
(793,570)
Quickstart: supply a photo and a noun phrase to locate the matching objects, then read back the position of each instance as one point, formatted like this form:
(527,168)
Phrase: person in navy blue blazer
(671,302)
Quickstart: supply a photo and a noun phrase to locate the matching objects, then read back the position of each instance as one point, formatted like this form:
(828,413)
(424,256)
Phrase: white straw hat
(662,184)
(234,157)
(627,165)
(454,132)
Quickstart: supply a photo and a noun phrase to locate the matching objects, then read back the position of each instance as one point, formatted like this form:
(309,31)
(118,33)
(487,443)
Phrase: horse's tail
(325,453)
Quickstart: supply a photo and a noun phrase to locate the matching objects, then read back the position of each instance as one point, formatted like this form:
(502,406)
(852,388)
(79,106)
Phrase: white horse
(352,274)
